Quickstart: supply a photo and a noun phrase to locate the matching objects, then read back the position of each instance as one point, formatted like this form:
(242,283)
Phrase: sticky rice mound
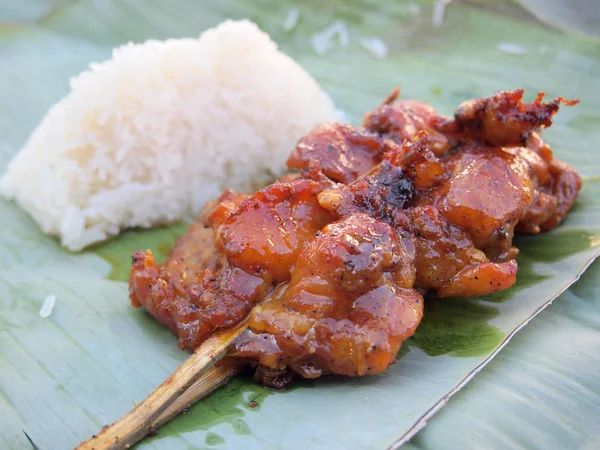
(149,136)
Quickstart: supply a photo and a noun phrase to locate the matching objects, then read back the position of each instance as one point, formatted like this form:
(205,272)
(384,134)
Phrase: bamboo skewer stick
(195,378)
(214,378)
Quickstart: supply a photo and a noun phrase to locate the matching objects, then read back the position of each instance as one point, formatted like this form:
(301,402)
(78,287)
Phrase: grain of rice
(326,39)
(291,20)
(439,11)
(414,9)
(48,306)
(375,46)
(511,48)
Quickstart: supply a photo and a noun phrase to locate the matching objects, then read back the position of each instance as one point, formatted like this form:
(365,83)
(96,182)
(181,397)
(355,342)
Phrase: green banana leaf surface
(63,377)
(541,391)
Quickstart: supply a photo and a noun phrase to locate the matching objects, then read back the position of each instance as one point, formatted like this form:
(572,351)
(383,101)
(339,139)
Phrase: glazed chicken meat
(329,266)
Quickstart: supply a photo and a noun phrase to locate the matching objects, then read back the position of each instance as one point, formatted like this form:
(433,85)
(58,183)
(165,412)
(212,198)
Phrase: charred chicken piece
(504,119)
(380,193)
(500,123)
(330,264)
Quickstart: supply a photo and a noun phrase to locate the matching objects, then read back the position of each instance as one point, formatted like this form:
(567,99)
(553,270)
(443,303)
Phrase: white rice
(48,306)
(291,20)
(375,46)
(414,9)
(511,48)
(439,11)
(326,39)
(152,134)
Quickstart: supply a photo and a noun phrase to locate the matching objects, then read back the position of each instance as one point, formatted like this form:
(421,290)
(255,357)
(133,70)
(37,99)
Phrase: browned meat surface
(338,151)
(403,120)
(196,291)
(346,309)
(330,264)
(220,268)
(503,119)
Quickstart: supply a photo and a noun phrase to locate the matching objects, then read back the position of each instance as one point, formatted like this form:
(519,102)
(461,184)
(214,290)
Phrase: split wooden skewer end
(194,379)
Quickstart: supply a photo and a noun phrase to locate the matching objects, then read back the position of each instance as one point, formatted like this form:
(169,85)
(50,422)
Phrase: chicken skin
(330,264)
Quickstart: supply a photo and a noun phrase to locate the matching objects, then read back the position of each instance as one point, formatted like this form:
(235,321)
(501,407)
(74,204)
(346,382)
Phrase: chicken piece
(214,276)
(379,193)
(340,152)
(215,213)
(448,262)
(485,191)
(391,185)
(382,194)
(268,230)
(486,194)
(503,119)
(196,291)
(404,119)
(346,309)
(543,189)
(480,279)
(564,186)
(418,161)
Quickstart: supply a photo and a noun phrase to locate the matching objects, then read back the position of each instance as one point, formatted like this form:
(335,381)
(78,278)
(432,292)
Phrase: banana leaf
(542,390)
(65,376)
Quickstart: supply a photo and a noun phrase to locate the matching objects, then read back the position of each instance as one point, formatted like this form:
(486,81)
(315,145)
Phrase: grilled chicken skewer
(324,272)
